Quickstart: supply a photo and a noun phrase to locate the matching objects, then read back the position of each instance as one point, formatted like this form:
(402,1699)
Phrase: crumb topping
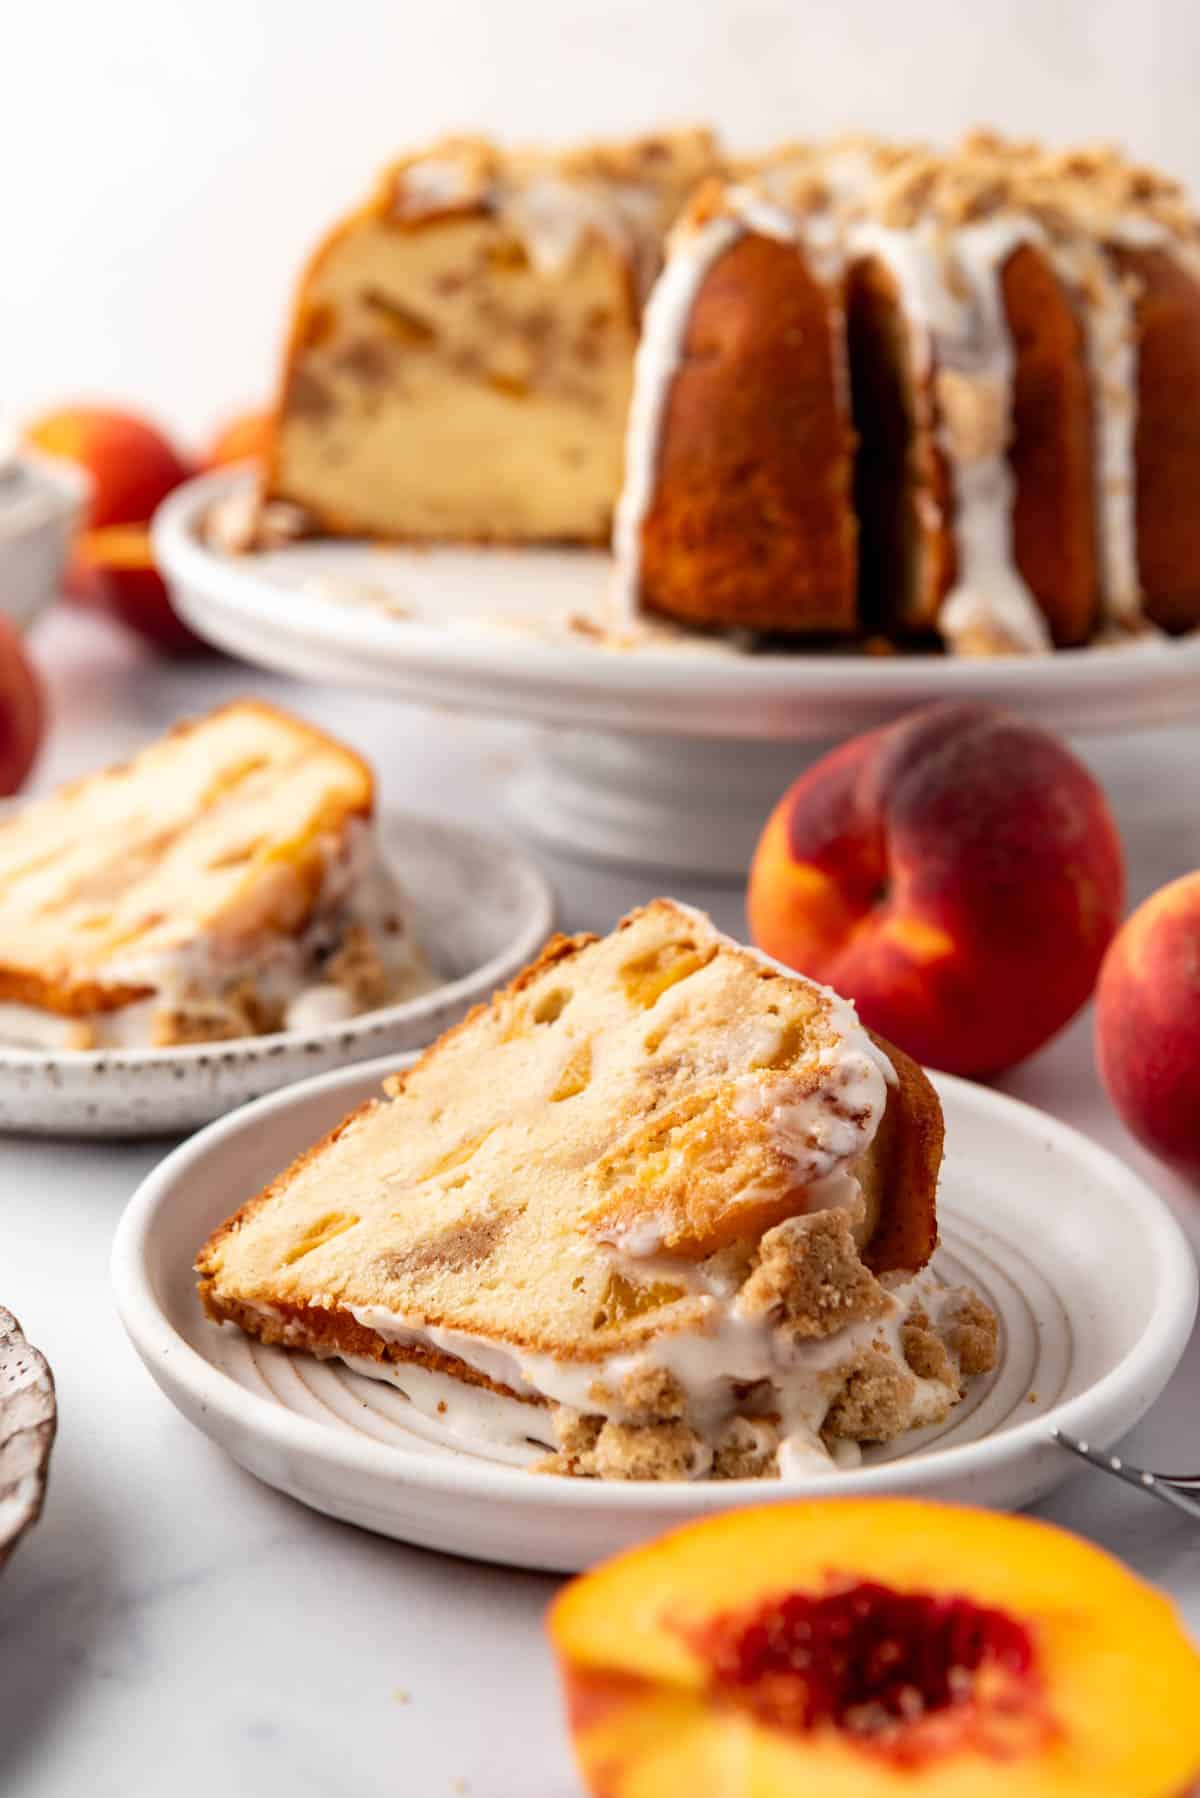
(1095,190)
(808,1278)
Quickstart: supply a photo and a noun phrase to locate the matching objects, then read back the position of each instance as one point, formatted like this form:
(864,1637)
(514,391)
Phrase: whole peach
(123,582)
(957,874)
(132,465)
(1148,1023)
(22,710)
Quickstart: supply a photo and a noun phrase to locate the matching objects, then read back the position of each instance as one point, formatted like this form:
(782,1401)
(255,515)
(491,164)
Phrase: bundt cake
(660,1208)
(839,391)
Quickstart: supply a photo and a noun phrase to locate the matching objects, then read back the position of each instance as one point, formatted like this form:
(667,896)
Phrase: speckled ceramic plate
(481,911)
(1091,1276)
(28,1415)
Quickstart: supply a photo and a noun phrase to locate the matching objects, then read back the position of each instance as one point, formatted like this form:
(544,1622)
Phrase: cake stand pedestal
(688,804)
(667,754)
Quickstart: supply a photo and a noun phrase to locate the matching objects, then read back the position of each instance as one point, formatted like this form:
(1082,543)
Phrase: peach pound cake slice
(661,1208)
(226,882)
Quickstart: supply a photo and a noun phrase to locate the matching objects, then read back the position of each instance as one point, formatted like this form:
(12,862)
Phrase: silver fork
(1182,1490)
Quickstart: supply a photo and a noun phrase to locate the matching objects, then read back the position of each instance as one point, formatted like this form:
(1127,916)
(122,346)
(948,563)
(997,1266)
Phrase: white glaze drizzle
(356,888)
(969,336)
(433,184)
(989,594)
(793,1381)
(1111,337)
(552,214)
(504,1429)
(664,327)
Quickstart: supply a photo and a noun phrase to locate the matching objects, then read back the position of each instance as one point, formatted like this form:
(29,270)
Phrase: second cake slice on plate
(662,1208)
(226,882)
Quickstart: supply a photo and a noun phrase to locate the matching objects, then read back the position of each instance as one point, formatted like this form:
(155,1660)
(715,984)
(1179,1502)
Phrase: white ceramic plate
(481,911)
(41,501)
(1092,1277)
(269,608)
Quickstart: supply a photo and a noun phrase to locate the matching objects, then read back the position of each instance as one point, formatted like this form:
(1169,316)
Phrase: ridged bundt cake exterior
(880,391)
(1166,453)
(913,418)
(1054,531)
(1018,463)
(901,476)
(748,522)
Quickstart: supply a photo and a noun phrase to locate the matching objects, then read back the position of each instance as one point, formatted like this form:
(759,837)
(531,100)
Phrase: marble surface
(171,1625)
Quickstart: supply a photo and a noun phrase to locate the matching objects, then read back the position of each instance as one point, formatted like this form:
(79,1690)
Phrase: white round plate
(1092,1278)
(320,609)
(668,755)
(480,910)
(41,501)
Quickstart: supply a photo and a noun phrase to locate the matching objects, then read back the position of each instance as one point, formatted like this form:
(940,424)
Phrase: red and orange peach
(957,874)
(131,464)
(22,710)
(1148,1023)
(859,1648)
(132,468)
(124,583)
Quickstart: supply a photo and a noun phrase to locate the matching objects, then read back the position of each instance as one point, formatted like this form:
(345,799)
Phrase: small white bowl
(481,911)
(1093,1280)
(41,502)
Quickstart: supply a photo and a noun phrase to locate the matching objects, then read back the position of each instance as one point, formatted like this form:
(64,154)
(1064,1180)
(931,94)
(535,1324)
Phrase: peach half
(859,1648)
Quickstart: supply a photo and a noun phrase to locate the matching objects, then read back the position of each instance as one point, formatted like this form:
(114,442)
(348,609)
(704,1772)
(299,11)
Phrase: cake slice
(660,1208)
(223,883)
(461,351)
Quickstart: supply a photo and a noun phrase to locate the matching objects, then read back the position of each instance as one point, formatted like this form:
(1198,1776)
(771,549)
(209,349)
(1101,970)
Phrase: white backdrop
(167,163)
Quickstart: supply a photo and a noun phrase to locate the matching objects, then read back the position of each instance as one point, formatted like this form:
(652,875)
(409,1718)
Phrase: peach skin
(132,465)
(856,1648)
(243,439)
(1148,1023)
(123,582)
(957,874)
(22,710)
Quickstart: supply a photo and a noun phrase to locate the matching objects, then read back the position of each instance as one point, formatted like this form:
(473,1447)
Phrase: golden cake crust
(751,521)
(1054,525)
(1167,443)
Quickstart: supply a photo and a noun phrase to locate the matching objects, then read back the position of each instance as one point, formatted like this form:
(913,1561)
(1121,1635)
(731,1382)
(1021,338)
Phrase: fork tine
(1132,1476)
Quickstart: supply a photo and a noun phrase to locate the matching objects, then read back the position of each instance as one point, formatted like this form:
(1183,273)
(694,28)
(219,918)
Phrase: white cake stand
(668,754)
